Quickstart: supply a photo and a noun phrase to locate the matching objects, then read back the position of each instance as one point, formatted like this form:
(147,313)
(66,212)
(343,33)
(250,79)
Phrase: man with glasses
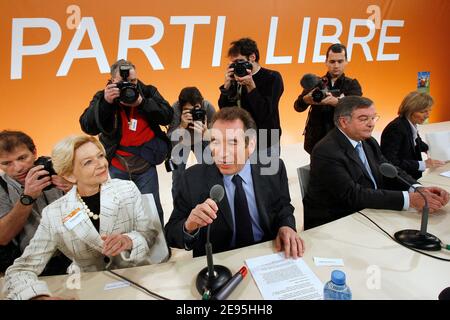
(345,175)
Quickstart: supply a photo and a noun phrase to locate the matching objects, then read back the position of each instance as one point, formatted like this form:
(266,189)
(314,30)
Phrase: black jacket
(340,185)
(399,148)
(103,119)
(272,200)
(261,103)
(320,117)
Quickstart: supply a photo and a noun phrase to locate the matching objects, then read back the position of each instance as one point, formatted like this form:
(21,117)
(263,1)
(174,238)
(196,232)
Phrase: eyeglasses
(366,119)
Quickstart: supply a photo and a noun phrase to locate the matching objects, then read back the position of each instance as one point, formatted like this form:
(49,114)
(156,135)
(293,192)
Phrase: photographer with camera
(253,88)
(187,131)
(28,185)
(323,94)
(127,116)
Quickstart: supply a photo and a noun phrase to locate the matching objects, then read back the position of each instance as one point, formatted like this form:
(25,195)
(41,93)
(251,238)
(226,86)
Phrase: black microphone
(213,277)
(419,239)
(445,294)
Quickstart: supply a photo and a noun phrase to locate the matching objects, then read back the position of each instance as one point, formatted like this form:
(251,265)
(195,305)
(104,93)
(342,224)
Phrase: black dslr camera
(318,86)
(48,166)
(198,114)
(128,91)
(240,67)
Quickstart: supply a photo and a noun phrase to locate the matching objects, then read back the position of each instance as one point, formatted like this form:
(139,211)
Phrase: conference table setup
(376,266)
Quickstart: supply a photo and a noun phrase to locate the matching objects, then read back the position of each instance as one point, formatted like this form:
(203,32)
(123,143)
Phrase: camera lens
(318,95)
(128,93)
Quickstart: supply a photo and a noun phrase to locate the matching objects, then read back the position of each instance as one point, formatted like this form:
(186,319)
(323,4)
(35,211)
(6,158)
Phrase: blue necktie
(243,222)
(362,156)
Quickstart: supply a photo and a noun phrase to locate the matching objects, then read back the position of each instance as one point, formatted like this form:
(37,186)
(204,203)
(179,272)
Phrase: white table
(370,258)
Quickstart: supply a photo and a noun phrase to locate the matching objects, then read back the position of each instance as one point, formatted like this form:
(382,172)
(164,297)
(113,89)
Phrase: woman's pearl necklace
(86,208)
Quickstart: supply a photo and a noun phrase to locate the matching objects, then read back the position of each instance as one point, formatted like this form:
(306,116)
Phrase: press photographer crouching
(188,131)
(323,94)
(127,116)
(28,185)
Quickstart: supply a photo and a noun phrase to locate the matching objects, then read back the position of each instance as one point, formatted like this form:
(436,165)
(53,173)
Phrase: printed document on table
(446,174)
(439,144)
(279,278)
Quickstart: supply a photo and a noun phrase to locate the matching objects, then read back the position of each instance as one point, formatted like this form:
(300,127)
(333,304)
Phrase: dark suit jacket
(272,200)
(398,146)
(340,185)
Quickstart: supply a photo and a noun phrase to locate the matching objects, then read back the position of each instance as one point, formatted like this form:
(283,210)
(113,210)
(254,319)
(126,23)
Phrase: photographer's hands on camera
(246,81)
(187,121)
(329,100)
(38,179)
(112,92)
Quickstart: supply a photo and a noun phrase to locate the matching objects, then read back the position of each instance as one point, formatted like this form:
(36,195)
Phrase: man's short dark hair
(245,47)
(236,113)
(190,95)
(10,140)
(122,62)
(347,105)
(337,48)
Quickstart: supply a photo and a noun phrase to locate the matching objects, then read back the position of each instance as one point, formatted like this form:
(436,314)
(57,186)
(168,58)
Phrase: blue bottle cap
(338,277)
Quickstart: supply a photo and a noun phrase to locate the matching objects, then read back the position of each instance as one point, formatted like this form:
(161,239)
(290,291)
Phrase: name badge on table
(132,125)
(73,218)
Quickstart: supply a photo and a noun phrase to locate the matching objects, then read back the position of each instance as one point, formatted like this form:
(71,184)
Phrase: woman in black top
(400,141)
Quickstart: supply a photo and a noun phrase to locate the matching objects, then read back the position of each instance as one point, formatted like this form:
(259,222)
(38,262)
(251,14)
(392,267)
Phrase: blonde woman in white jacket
(100,217)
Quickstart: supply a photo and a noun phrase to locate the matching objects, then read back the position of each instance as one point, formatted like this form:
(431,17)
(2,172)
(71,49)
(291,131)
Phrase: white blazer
(121,212)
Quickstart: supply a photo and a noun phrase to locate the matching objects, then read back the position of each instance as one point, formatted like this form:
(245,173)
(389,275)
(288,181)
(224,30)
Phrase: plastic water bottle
(336,289)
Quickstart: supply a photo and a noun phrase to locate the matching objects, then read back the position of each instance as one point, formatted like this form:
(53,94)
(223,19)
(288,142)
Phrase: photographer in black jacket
(127,116)
(320,116)
(258,90)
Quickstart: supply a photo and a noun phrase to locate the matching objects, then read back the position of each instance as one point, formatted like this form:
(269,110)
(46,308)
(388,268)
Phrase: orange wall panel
(48,106)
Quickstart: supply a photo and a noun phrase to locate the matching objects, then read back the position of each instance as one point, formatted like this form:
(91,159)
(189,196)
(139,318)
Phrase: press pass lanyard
(132,122)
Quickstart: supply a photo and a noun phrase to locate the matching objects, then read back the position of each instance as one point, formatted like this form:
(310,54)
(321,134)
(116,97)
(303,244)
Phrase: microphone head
(388,170)
(216,193)
(309,81)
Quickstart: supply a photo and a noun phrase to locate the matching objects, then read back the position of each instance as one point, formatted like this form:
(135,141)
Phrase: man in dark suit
(256,206)
(345,175)
(400,141)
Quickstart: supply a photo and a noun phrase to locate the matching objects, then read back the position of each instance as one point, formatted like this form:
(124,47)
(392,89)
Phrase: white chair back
(159,252)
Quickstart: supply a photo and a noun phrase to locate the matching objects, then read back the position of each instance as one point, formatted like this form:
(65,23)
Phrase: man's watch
(26,200)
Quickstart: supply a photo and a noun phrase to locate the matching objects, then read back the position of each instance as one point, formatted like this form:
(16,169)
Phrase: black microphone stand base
(413,238)
(213,284)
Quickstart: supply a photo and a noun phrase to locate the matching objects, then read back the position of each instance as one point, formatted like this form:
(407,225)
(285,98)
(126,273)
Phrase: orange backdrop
(48,107)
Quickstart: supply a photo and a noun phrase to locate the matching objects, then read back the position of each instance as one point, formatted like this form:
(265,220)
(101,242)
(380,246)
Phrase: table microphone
(413,238)
(213,277)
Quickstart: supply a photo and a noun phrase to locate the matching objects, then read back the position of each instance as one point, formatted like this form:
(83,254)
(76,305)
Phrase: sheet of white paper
(279,278)
(439,143)
(116,285)
(446,174)
(328,262)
